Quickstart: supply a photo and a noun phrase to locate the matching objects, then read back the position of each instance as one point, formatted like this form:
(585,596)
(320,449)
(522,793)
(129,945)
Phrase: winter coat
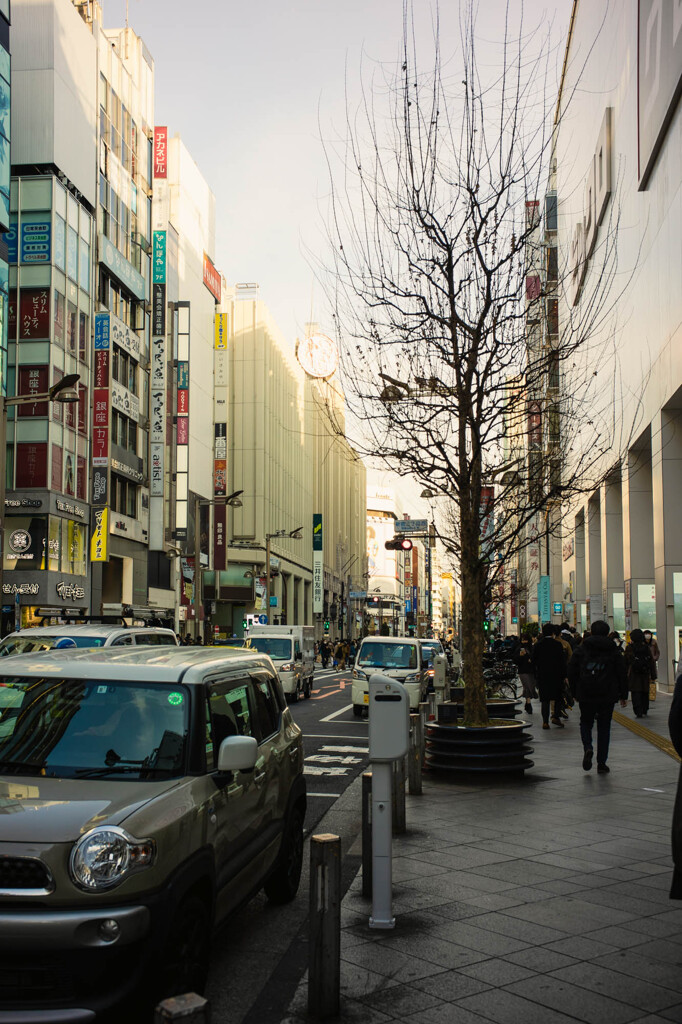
(638,681)
(675,728)
(613,686)
(549,660)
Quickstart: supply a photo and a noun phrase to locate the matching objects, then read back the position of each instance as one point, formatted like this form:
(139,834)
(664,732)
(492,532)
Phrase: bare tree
(446,312)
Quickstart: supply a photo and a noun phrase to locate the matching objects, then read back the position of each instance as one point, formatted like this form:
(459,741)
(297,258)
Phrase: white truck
(292,649)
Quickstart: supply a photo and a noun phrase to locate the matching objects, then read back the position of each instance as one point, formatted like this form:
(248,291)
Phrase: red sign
(183,430)
(34,314)
(33,381)
(220,537)
(212,278)
(100,407)
(161,152)
(57,452)
(12,314)
(101,368)
(100,445)
(183,403)
(31,465)
(220,477)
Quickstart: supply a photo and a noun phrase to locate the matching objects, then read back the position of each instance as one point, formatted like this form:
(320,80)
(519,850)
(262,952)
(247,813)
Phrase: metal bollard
(324,969)
(414,757)
(398,795)
(424,716)
(188,1009)
(432,707)
(367,834)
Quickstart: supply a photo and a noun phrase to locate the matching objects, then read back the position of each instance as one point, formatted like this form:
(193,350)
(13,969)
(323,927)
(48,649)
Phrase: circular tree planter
(501,747)
(498,707)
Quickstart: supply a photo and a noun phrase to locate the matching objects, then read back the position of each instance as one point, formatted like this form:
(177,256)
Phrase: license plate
(366,698)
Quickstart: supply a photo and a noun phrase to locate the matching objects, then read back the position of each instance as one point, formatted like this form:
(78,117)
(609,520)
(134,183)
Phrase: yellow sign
(99,551)
(220,331)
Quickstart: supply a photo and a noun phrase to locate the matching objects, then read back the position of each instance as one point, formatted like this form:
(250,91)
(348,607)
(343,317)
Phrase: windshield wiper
(114,769)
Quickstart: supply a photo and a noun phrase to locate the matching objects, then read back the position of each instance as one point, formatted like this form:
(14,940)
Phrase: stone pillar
(666,476)
(611,502)
(594,559)
(638,526)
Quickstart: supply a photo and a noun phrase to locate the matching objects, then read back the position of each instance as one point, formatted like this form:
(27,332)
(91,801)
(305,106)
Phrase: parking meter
(439,671)
(389,736)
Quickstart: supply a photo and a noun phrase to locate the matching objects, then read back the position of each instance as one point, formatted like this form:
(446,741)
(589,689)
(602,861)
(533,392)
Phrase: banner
(219,537)
(99,551)
(318,566)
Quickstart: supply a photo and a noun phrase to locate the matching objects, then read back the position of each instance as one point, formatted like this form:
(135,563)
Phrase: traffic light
(486,625)
(398,544)
(244,623)
(326,625)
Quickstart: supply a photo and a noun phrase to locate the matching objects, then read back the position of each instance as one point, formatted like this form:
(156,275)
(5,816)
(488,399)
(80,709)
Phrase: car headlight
(357,674)
(286,668)
(411,679)
(103,857)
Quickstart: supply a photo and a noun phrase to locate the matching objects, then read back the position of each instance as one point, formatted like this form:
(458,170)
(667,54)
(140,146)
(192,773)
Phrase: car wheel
(293,697)
(282,885)
(185,955)
(358,710)
(307,688)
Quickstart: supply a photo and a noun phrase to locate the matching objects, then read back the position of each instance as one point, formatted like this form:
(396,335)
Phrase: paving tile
(358,981)
(520,871)
(457,911)
(616,986)
(504,1007)
(404,868)
(452,985)
(446,1013)
(463,857)
(620,935)
(674,1013)
(634,964)
(400,1000)
(468,935)
(655,927)
(559,995)
(582,947)
(391,963)
(497,972)
(429,947)
(662,950)
(532,933)
(540,959)
(634,902)
(573,915)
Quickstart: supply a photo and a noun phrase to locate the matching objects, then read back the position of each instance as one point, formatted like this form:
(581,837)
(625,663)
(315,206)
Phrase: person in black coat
(675,728)
(596,673)
(548,659)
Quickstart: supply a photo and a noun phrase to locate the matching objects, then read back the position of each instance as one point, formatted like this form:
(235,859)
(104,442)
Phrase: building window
(123,496)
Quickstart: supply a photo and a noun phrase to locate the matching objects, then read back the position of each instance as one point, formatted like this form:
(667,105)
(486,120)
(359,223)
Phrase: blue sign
(35,241)
(11,239)
(183,376)
(543,599)
(263,620)
(273,600)
(558,608)
(411,526)
(102,330)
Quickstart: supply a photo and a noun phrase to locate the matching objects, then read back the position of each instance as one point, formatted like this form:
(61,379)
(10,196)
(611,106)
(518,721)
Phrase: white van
(292,649)
(36,639)
(400,657)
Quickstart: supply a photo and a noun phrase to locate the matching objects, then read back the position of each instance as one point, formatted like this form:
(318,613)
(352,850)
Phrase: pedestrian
(653,644)
(597,676)
(675,729)
(641,669)
(521,657)
(325,652)
(340,655)
(549,660)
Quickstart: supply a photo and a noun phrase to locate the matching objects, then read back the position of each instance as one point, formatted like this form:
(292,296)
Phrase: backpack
(640,660)
(595,676)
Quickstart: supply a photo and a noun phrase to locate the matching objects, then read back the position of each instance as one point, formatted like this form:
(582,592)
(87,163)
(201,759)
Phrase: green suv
(144,794)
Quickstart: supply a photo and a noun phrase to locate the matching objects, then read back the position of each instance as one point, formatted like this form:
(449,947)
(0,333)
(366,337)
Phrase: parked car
(400,657)
(145,794)
(91,634)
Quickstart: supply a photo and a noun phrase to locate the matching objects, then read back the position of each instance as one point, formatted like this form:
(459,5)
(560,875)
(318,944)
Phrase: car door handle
(259,778)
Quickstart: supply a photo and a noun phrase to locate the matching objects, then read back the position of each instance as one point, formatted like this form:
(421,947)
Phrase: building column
(593,559)
(666,476)
(611,500)
(638,527)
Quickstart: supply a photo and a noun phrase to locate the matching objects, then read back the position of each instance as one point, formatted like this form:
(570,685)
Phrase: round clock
(318,355)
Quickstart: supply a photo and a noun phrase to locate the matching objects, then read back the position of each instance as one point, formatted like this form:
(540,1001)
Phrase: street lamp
(294,535)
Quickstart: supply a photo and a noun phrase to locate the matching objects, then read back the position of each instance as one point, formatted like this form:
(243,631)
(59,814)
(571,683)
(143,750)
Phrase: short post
(382,891)
(366,834)
(432,707)
(424,716)
(414,757)
(324,969)
(187,1009)
(398,794)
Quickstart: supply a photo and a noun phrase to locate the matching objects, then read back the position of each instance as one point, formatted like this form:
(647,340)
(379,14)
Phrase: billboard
(161,151)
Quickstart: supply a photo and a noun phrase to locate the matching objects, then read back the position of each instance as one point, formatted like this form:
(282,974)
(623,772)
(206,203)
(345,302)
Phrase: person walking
(325,652)
(548,659)
(641,670)
(340,655)
(597,676)
(521,657)
(675,729)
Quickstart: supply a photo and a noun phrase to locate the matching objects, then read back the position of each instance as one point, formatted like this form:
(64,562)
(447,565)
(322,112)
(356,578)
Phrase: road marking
(333,759)
(330,796)
(336,714)
(346,750)
(317,770)
(333,736)
(641,730)
(648,790)
(331,692)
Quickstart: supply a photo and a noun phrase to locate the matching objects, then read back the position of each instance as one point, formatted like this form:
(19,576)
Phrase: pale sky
(248,85)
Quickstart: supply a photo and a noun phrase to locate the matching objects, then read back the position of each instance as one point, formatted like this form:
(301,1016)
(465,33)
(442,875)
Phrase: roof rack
(73,616)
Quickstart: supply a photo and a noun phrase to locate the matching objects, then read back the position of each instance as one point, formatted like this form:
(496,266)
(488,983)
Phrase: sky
(253,88)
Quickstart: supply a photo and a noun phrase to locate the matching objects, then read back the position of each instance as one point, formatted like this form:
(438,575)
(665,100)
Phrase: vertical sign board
(100,423)
(220,441)
(161,151)
(543,600)
(157,430)
(318,566)
(100,535)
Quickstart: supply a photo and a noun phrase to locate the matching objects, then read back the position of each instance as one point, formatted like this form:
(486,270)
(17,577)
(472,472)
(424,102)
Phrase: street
(253,964)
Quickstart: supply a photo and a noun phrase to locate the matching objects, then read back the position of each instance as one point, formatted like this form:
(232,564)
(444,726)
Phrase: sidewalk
(539,900)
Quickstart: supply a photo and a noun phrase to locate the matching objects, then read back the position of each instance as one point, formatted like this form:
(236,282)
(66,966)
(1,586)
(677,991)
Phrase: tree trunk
(472,571)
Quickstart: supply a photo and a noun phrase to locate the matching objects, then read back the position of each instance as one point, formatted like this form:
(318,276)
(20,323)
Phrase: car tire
(282,885)
(358,710)
(307,689)
(293,697)
(184,960)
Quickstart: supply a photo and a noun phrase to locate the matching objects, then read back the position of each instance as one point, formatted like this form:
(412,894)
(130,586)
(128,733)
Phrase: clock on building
(318,355)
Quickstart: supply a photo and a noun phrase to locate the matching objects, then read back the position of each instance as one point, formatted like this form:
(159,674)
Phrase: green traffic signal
(244,623)
(326,625)
(486,625)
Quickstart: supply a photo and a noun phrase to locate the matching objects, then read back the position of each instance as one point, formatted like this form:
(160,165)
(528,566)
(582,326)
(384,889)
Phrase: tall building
(619,189)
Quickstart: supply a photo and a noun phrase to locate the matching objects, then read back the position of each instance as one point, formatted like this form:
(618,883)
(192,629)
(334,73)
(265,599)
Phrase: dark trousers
(640,701)
(603,714)
(545,706)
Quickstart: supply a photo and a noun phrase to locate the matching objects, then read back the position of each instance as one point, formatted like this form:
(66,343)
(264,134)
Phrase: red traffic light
(398,544)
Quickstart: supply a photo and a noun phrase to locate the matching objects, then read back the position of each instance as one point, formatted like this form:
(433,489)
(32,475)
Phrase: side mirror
(299,656)
(237,754)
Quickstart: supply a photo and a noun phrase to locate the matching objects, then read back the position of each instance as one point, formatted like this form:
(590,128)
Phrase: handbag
(652,691)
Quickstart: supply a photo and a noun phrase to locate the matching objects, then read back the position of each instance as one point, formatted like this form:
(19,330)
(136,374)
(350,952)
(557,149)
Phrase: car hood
(60,810)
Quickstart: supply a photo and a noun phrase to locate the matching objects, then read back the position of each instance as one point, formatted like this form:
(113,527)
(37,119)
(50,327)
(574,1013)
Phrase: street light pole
(293,535)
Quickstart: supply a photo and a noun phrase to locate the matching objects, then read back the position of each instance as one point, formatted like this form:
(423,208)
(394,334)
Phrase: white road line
(330,796)
(335,714)
(333,736)
(319,770)
(346,750)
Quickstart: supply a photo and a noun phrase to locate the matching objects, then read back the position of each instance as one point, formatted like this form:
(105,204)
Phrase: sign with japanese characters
(212,278)
(161,151)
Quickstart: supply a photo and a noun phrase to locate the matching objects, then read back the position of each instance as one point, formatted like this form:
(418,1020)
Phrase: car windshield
(26,643)
(387,655)
(429,650)
(75,728)
(278,648)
